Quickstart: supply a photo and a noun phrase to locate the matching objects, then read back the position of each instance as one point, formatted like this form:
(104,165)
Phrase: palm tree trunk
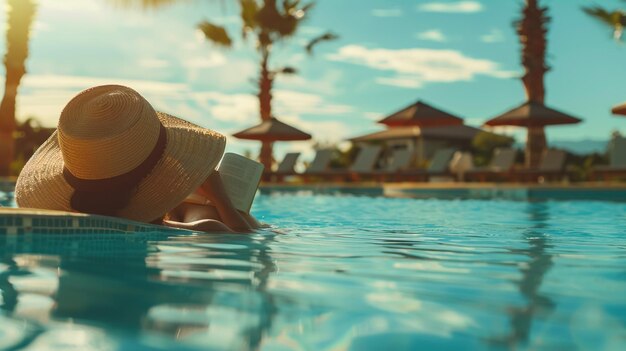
(20,15)
(532,29)
(265,106)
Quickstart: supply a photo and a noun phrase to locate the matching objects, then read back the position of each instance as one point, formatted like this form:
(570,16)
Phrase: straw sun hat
(110,142)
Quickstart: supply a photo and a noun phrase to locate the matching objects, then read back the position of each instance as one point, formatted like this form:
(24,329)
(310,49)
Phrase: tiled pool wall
(45,233)
(23,222)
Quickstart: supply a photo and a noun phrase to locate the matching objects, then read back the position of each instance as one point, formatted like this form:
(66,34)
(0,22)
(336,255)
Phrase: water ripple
(334,272)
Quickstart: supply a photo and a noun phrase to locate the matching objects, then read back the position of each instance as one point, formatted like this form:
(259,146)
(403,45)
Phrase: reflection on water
(174,286)
(347,273)
(533,273)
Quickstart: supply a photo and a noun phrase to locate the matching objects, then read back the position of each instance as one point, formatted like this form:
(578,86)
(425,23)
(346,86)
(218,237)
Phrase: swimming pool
(337,272)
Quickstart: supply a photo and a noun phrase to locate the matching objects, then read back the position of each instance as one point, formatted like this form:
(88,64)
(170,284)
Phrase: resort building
(422,129)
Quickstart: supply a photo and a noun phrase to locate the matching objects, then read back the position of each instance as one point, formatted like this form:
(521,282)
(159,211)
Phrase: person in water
(113,154)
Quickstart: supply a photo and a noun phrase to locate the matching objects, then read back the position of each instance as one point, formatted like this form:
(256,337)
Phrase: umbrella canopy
(532,114)
(460,132)
(619,109)
(272,130)
(422,115)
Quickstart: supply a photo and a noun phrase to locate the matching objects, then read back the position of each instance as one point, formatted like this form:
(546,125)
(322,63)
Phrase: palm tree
(532,29)
(615,19)
(20,14)
(268,22)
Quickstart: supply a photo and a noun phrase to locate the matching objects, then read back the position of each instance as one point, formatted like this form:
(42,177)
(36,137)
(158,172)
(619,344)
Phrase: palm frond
(328,36)
(216,34)
(614,19)
(282,23)
(249,11)
(287,70)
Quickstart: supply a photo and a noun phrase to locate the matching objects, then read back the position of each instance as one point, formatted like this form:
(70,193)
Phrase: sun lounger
(361,168)
(320,164)
(285,168)
(617,162)
(439,167)
(552,167)
(364,163)
(499,168)
(400,160)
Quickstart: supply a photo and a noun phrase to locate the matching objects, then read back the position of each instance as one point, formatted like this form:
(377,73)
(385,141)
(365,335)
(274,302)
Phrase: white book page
(241,177)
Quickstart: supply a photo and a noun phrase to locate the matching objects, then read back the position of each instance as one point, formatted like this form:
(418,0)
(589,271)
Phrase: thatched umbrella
(421,114)
(451,133)
(619,109)
(534,116)
(270,131)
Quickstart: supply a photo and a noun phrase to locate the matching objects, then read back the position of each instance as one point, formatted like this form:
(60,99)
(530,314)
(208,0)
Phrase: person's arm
(203,225)
(213,189)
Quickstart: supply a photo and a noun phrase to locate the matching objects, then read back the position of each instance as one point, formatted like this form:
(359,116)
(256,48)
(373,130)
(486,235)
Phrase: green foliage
(249,9)
(16,165)
(615,19)
(340,158)
(328,36)
(343,159)
(287,70)
(248,153)
(29,135)
(484,143)
(581,166)
(216,34)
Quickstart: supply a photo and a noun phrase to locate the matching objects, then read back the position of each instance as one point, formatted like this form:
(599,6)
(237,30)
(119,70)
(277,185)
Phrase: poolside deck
(512,191)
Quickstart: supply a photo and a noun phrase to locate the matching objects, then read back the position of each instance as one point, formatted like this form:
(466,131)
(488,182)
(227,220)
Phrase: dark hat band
(123,181)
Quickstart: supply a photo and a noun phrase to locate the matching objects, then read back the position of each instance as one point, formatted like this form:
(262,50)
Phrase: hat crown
(107,131)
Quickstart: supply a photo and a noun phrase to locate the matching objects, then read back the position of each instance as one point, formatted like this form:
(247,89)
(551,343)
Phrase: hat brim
(191,154)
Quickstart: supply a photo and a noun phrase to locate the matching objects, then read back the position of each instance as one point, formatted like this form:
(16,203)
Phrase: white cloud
(233,19)
(241,111)
(432,35)
(213,59)
(374,116)
(153,63)
(238,109)
(78,83)
(327,84)
(494,36)
(451,7)
(38,27)
(391,12)
(293,102)
(289,106)
(400,82)
(234,74)
(415,67)
(44,96)
(507,74)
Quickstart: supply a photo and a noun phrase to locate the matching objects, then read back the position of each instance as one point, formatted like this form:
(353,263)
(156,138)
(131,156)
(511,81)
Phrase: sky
(459,55)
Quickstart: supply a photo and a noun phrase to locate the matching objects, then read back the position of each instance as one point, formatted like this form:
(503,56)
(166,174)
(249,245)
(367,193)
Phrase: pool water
(336,272)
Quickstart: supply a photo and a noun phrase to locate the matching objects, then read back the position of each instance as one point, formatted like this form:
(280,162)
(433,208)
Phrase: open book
(241,177)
